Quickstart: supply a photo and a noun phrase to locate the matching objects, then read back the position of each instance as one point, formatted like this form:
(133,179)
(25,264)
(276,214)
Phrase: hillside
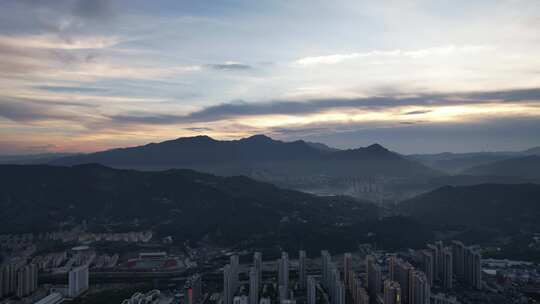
(184,203)
(457,162)
(493,206)
(525,167)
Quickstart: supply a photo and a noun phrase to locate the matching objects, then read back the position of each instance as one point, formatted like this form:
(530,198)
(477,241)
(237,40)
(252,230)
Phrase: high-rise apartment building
(404,271)
(428,265)
(347,267)
(253,286)
(283,273)
(26,280)
(257,263)
(392,292)
(77,281)
(420,289)
(311,290)
(228,291)
(447,268)
(458,259)
(473,267)
(302,269)
(374,276)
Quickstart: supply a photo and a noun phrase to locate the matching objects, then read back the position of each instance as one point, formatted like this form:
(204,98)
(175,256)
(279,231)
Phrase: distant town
(44,269)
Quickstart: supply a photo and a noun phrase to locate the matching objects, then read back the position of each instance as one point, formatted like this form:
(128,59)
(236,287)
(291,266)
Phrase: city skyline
(415,76)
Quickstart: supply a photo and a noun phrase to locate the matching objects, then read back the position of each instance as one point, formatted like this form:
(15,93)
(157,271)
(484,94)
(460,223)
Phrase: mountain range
(496,206)
(372,173)
(526,166)
(242,156)
(310,167)
(456,163)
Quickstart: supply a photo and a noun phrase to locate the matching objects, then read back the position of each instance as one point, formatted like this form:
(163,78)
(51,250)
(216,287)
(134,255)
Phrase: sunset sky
(415,76)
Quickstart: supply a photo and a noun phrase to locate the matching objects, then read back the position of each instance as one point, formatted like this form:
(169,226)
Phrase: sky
(414,76)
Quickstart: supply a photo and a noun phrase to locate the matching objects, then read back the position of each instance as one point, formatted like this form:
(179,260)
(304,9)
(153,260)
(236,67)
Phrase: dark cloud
(230,67)
(417,112)
(241,108)
(199,129)
(290,131)
(139,118)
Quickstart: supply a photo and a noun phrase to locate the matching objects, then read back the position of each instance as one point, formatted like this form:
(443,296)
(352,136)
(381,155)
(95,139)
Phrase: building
(139,297)
(362,296)
(228,290)
(53,298)
(439,258)
(347,268)
(339,297)
(253,286)
(435,253)
(283,273)
(302,269)
(374,276)
(240,300)
(77,281)
(420,289)
(392,292)
(428,265)
(265,301)
(9,279)
(311,290)
(283,293)
(27,277)
(473,268)
(458,259)
(332,279)
(391,261)
(234,271)
(326,260)
(193,289)
(447,268)
(404,274)
(441,298)
(257,263)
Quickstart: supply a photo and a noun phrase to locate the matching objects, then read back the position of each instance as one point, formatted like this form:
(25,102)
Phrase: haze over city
(415,76)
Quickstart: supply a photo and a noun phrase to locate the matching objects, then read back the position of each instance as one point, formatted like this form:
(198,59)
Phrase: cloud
(30,110)
(200,129)
(66,89)
(289,107)
(416,112)
(230,66)
(27,112)
(50,41)
(41,148)
(414,54)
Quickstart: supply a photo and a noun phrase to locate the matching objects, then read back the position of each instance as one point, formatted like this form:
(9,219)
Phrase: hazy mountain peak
(534,150)
(258,138)
(198,138)
(376,148)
